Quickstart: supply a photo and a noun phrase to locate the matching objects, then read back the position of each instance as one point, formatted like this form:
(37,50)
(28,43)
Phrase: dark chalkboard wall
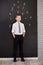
(8,10)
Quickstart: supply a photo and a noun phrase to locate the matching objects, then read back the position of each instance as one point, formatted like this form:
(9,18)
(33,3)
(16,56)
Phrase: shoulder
(14,23)
(22,23)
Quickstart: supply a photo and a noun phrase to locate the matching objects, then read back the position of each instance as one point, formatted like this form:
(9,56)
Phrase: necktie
(19,28)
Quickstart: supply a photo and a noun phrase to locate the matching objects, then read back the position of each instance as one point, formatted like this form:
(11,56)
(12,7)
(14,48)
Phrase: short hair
(18,15)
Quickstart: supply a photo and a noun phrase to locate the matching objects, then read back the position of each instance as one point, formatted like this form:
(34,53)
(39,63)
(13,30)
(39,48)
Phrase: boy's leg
(21,47)
(15,47)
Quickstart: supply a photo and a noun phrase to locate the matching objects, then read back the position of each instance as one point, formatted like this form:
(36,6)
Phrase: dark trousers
(18,41)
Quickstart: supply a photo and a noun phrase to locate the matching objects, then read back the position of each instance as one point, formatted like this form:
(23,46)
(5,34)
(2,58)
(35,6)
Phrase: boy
(18,32)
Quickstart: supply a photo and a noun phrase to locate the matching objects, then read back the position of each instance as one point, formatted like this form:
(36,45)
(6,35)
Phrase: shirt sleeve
(12,28)
(24,28)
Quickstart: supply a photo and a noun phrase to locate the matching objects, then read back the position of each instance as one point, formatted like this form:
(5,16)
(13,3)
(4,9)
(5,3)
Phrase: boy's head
(18,17)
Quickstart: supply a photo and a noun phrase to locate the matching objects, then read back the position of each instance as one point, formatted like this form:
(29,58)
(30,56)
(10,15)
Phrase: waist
(18,35)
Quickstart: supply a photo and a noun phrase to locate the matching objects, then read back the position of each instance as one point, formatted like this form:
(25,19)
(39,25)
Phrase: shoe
(14,60)
(22,60)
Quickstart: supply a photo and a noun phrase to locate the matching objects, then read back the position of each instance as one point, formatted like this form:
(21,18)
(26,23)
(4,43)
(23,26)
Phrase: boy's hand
(23,34)
(13,34)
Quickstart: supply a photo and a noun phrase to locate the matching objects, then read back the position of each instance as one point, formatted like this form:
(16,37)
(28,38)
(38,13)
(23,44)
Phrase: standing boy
(18,32)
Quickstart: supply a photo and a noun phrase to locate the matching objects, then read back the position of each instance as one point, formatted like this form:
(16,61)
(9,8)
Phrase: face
(18,18)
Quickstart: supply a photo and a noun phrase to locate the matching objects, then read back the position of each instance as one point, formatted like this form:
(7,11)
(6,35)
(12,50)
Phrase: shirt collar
(18,22)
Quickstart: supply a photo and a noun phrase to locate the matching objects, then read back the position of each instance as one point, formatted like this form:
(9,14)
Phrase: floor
(27,62)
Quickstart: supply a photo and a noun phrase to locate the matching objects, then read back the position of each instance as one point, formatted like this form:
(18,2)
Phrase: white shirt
(15,28)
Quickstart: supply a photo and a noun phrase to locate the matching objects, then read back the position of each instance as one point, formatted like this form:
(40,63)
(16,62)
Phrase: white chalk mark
(10,13)
(24,3)
(27,12)
(17,1)
(30,17)
(22,13)
(17,11)
(29,24)
(14,4)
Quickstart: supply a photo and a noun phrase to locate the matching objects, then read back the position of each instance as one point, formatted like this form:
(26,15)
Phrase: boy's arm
(24,31)
(12,31)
